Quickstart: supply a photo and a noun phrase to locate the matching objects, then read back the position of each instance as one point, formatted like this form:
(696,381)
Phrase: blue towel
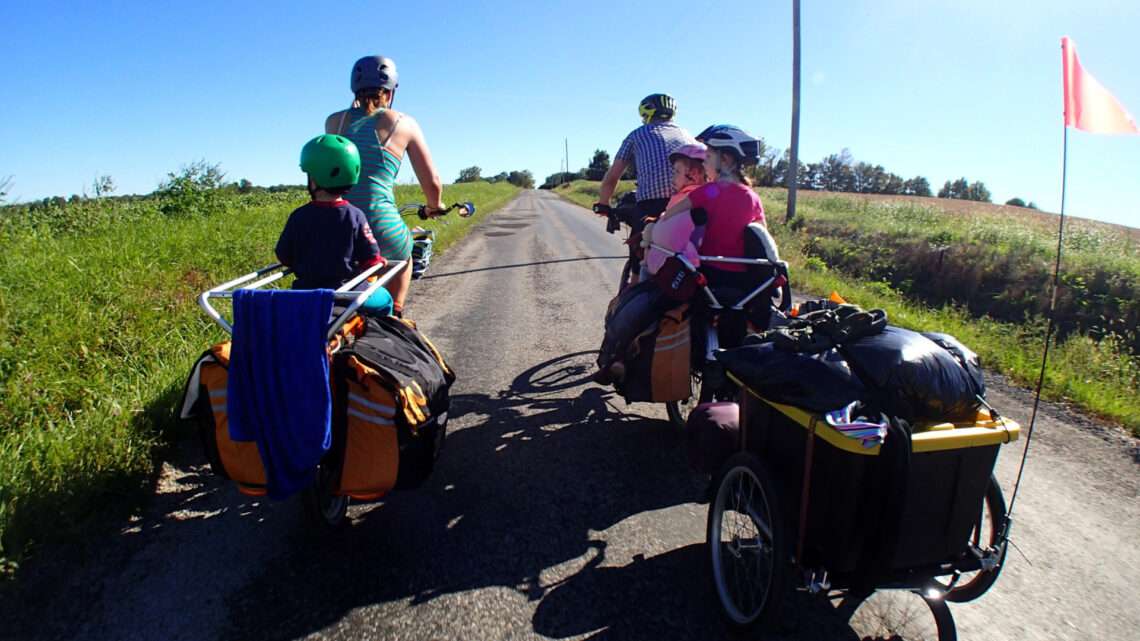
(279,382)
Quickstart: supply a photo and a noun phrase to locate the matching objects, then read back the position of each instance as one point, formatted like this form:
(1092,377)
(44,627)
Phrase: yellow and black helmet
(657,105)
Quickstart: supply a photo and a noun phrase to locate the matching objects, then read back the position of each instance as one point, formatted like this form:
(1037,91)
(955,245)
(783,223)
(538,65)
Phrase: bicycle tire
(325,511)
(983,538)
(897,614)
(626,274)
(750,570)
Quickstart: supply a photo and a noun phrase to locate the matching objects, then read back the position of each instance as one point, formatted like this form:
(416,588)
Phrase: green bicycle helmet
(333,161)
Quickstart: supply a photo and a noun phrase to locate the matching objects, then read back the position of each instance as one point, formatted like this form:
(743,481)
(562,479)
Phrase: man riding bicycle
(648,148)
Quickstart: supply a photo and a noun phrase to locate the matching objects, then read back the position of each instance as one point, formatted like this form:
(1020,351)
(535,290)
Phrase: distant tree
(958,190)
(470,175)
(780,172)
(917,186)
(497,178)
(962,190)
(1016,202)
(200,174)
(1032,205)
(810,176)
(977,191)
(836,172)
(5,188)
(599,165)
(103,186)
(553,180)
(245,186)
(893,184)
(195,189)
(523,179)
(764,173)
(869,178)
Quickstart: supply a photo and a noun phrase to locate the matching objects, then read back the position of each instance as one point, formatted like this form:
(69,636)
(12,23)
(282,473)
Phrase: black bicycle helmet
(744,145)
(657,105)
(374,72)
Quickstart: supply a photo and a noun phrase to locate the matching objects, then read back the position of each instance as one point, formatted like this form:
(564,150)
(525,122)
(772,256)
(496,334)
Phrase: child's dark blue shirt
(326,244)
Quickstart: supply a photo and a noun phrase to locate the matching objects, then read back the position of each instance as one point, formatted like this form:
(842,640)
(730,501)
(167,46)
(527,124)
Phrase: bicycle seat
(758,243)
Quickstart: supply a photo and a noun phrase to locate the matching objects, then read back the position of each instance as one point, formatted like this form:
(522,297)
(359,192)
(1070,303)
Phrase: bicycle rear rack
(277,271)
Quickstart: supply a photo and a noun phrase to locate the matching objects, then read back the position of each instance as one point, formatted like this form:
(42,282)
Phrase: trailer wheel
(747,544)
(900,614)
(984,542)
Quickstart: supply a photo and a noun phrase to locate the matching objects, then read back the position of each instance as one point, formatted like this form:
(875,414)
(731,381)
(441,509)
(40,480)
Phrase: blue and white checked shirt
(648,148)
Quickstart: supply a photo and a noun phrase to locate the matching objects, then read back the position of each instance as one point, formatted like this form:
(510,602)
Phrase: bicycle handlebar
(466,210)
(614,220)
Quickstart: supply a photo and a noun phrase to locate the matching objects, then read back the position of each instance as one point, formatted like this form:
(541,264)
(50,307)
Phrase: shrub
(195,190)
(815,264)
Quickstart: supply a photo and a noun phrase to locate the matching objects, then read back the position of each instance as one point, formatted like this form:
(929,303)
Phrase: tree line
(523,178)
(835,172)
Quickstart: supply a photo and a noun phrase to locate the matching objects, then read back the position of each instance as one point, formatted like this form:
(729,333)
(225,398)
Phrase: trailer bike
(382,437)
(722,315)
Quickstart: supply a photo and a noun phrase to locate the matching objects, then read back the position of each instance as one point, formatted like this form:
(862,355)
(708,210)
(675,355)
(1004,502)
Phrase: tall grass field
(99,326)
(980,272)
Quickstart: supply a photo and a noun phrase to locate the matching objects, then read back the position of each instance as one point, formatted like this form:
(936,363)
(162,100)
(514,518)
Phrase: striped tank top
(374,193)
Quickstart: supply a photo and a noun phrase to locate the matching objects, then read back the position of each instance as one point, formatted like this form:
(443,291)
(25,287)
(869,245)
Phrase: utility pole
(794,152)
(566,175)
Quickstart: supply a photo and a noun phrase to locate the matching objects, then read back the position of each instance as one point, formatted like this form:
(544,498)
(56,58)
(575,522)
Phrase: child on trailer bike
(683,232)
(328,241)
(729,202)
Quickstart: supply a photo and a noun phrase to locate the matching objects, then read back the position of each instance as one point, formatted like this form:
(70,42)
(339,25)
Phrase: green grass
(1099,376)
(99,326)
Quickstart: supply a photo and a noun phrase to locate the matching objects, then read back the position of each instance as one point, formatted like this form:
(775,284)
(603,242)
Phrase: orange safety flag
(1088,105)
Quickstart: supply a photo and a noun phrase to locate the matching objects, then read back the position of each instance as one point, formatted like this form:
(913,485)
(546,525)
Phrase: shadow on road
(516,266)
(524,478)
(529,479)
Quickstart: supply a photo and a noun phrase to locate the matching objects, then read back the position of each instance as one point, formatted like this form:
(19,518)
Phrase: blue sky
(941,89)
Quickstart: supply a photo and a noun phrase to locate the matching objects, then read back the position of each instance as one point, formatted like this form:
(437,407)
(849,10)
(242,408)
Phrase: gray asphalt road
(556,511)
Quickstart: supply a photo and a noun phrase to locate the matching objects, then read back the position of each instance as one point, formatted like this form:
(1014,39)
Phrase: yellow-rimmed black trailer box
(854,491)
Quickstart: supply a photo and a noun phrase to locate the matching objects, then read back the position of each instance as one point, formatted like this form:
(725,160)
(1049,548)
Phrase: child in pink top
(730,206)
(729,201)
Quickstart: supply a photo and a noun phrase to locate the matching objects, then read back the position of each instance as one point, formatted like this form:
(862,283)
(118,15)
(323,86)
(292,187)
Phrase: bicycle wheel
(678,411)
(626,274)
(324,510)
(748,544)
(888,615)
(984,541)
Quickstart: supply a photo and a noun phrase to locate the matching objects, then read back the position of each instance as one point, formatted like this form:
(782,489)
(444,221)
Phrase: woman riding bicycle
(728,201)
(383,136)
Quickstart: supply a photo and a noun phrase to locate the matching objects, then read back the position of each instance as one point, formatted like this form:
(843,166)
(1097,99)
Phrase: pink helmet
(694,151)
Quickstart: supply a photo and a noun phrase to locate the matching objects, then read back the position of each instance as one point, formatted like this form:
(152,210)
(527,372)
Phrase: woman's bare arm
(333,122)
(422,164)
